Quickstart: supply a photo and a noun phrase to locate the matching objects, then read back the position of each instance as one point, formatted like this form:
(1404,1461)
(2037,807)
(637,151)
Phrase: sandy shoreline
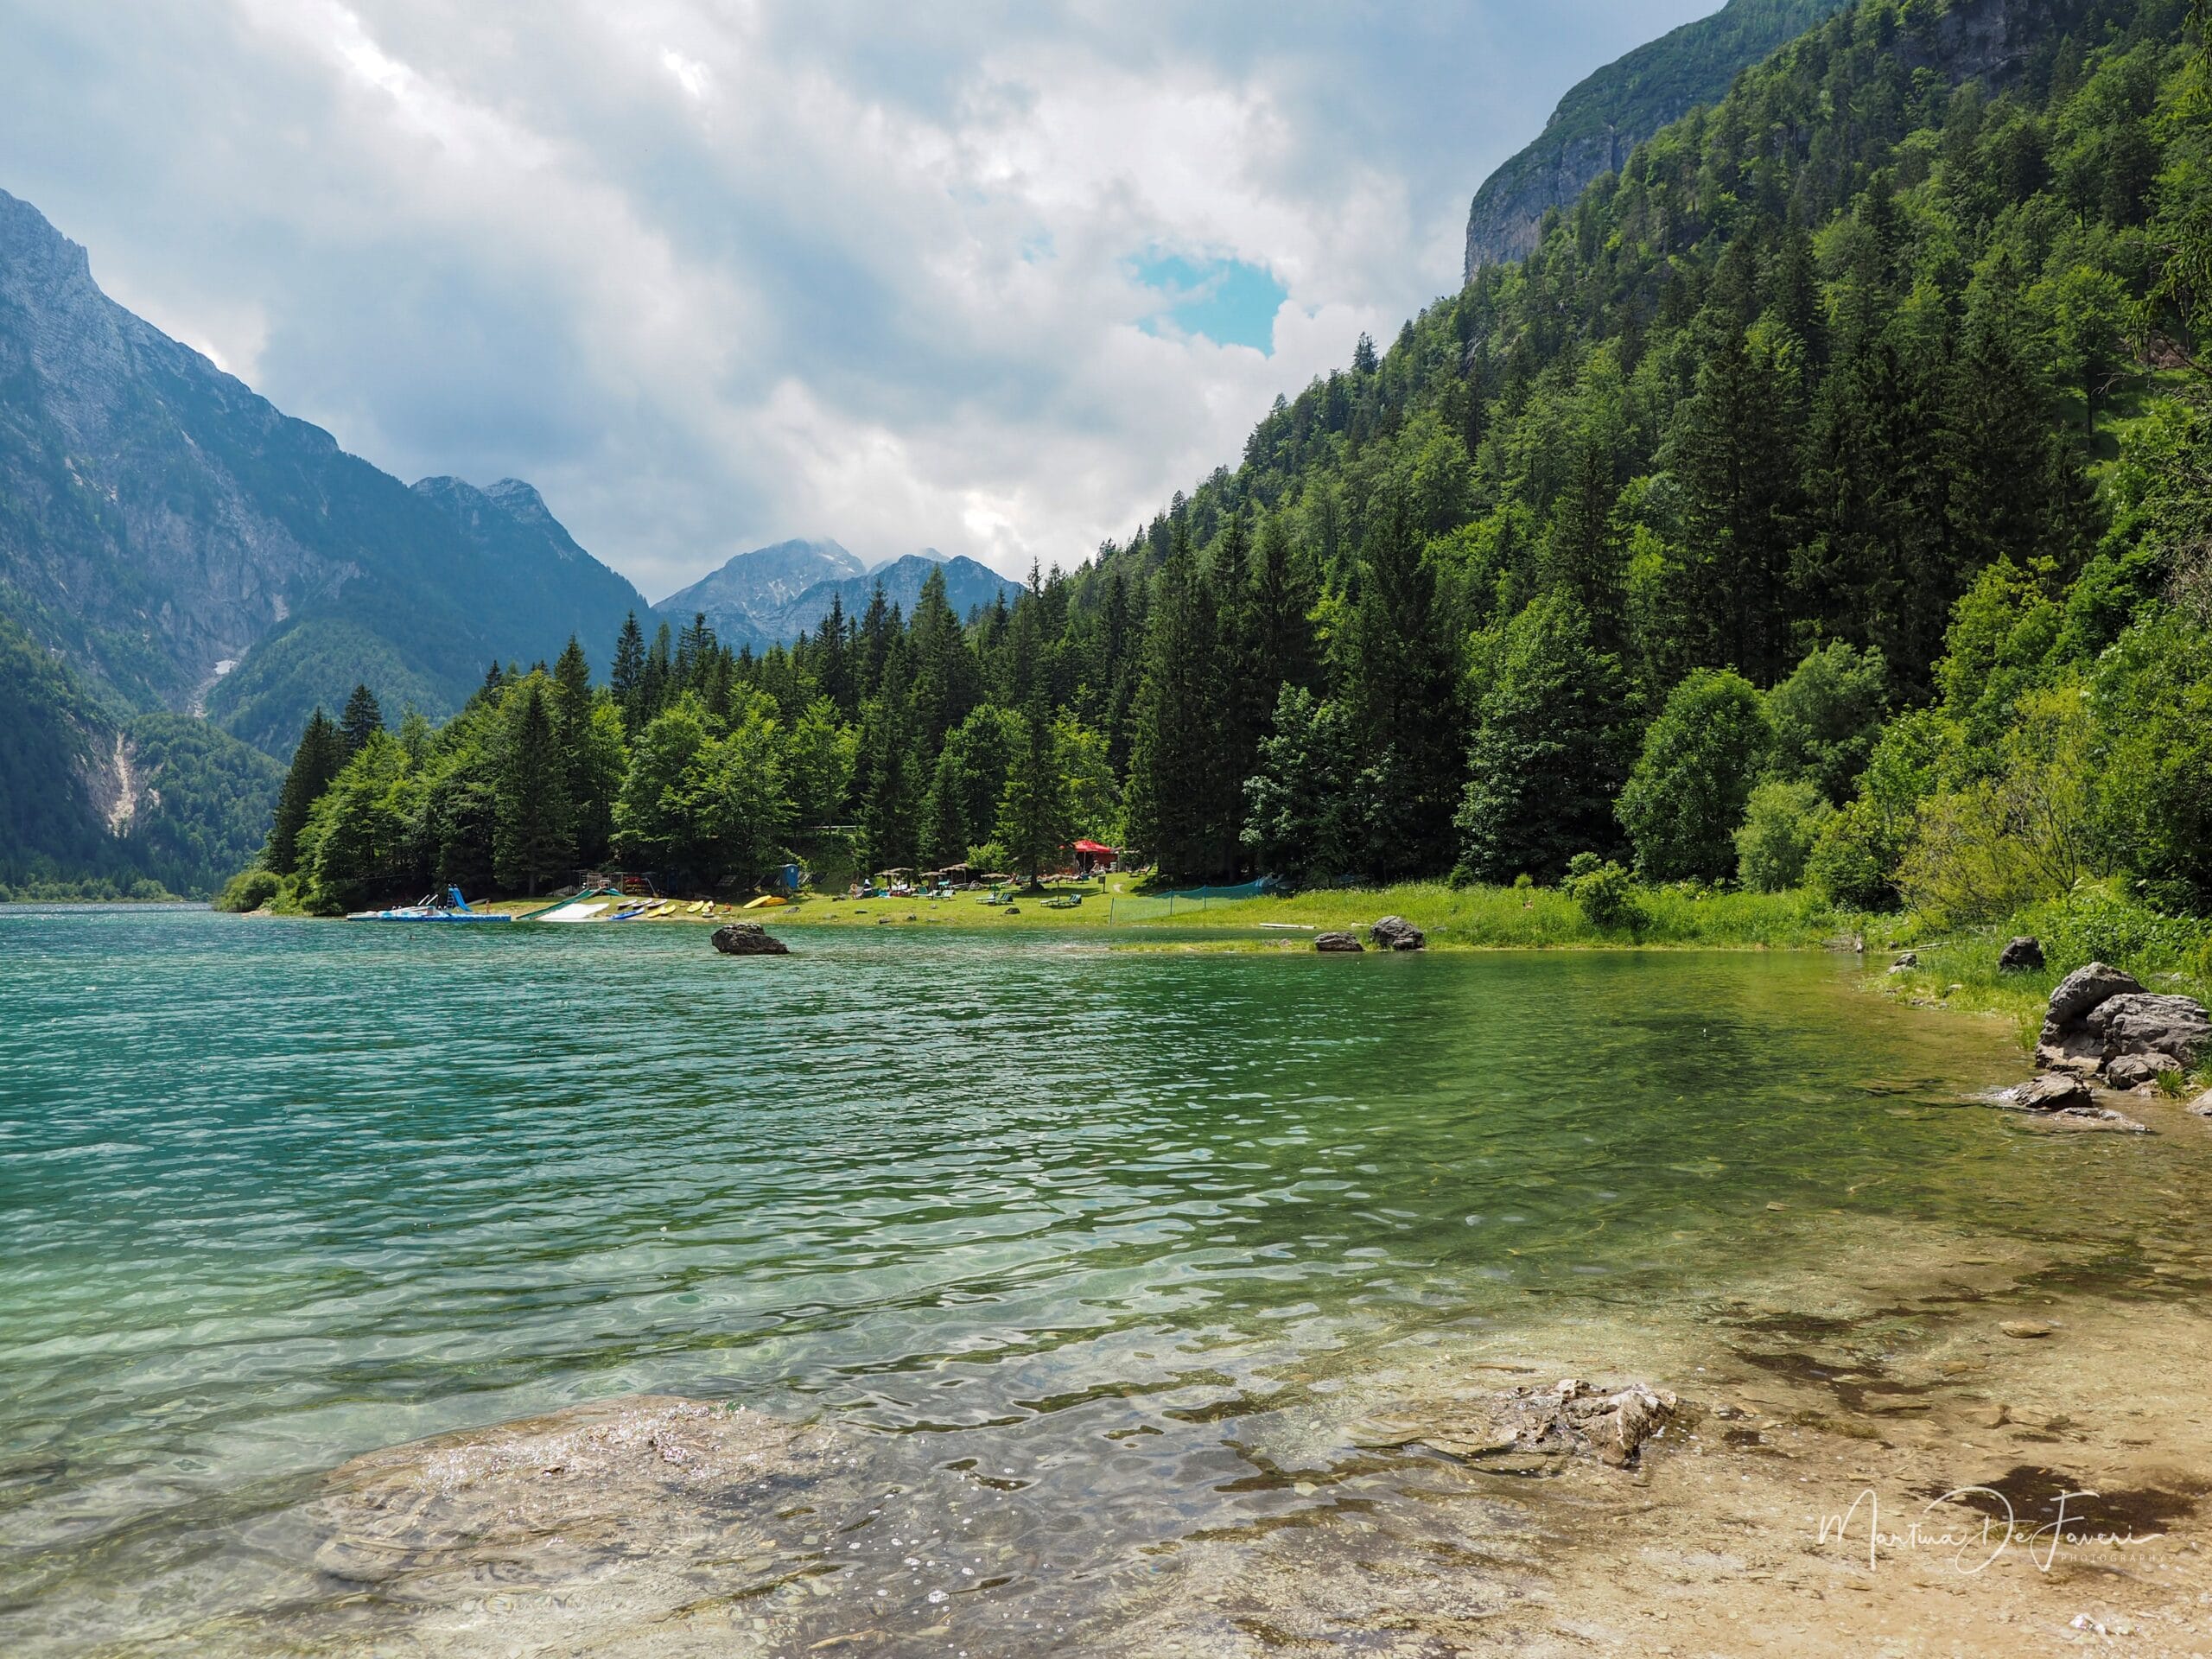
(1828,1400)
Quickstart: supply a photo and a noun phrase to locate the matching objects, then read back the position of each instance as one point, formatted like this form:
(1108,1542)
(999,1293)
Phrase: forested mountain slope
(1605,117)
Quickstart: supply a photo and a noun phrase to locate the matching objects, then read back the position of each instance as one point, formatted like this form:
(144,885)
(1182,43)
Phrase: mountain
(96,804)
(758,584)
(754,600)
(184,544)
(1601,120)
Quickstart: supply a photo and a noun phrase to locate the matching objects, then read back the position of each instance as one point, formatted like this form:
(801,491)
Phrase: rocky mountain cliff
(182,543)
(1601,120)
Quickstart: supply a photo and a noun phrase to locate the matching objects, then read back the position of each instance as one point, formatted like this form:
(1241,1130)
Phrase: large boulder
(749,939)
(2137,1025)
(1396,933)
(2104,1024)
(2024,955)
(2084,990)
(1346,944)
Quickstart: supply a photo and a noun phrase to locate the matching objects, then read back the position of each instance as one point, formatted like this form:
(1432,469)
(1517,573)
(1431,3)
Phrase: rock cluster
(2103,1025)
(749,939)
(1339,944)
(1531,1428)
(1396,933)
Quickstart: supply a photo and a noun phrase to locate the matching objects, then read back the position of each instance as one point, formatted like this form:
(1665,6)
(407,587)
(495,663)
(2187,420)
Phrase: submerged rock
(2096,1117)
(550,1500)
(1531,1428)
(749,939)
(2202,1106)
(1396,933)
(2055,1092)
(2024,955)
(1339,944)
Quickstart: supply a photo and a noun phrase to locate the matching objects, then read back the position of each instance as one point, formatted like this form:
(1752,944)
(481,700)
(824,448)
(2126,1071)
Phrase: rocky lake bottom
(373,1292)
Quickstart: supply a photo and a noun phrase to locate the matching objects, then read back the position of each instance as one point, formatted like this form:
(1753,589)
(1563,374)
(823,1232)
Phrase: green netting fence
(1127,910)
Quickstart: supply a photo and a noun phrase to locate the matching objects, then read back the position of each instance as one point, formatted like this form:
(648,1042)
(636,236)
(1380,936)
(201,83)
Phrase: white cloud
(714,272)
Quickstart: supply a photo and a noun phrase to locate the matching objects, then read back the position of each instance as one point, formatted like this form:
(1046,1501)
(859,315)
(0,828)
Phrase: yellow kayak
(768,902)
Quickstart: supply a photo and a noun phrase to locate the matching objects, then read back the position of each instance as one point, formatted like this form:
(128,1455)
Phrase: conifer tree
(321,752)
(533,835)
(627,678)
(1033,824)
(1396,675)
(362,720)
(1181,803)
(890,830)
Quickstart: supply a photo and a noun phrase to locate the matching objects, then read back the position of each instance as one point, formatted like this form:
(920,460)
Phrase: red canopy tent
(1089,853)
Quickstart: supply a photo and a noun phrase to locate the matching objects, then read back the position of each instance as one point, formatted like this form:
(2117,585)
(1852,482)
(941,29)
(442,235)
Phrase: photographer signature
(1972,1549)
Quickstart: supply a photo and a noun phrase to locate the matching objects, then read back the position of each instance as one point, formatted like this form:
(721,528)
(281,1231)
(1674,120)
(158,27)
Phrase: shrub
(249,890)
(2097,923)
(1781,825)
(1694,778)
(1985,850)
(1607,894)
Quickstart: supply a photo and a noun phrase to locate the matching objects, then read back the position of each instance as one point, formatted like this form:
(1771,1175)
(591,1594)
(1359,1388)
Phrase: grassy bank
(1959,971)
(1453,918)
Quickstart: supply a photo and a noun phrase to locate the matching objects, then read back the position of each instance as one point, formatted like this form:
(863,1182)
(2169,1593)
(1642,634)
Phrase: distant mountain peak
(758,600)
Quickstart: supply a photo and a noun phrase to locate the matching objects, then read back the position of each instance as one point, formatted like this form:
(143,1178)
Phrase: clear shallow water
(274,1193)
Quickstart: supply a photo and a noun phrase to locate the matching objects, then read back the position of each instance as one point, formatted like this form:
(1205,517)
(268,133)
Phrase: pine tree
(534,835)
(627,678)
(890,831)
(362,720)
(656,686)
(1733,451)
(1181,801)
(1033,824)
(1549,752)
(1397,675)
(321,752)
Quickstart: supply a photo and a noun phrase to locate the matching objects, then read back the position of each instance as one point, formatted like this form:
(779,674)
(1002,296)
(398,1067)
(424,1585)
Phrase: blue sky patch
(1229,301)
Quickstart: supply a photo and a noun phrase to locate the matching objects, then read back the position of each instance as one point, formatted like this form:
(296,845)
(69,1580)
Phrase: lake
(1100,1238)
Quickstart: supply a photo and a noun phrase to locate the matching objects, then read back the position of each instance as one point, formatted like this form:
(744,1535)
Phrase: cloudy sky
(990,276)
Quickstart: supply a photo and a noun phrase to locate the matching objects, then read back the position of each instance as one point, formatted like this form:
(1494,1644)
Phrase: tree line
(1827,489)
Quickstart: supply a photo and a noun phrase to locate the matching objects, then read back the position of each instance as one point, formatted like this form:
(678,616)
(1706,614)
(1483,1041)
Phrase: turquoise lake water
(273,1193)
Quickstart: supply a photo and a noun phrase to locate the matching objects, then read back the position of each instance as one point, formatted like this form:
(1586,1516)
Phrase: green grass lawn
(1453,918)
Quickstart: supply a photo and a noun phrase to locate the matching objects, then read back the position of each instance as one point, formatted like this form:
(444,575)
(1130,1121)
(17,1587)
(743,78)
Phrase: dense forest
(1824,502)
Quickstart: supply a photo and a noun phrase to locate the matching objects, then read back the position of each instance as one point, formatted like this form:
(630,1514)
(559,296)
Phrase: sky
(991,276)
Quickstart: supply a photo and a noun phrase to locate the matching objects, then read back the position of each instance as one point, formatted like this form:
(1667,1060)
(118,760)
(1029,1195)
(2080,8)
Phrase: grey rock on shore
(1345,944)
(2102,1024)
(749,939)
(1396,933)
